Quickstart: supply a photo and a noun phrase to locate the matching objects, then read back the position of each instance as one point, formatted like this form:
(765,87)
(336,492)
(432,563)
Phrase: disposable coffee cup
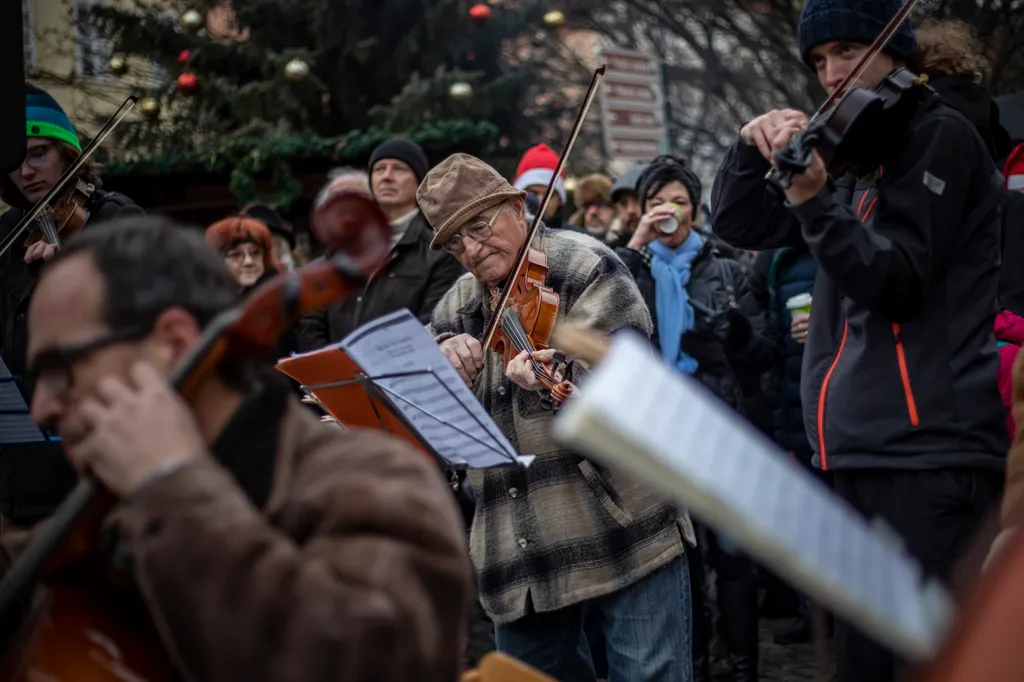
(670,225)
(799,305)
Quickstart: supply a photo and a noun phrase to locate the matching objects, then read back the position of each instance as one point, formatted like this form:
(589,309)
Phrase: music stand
(406,403)
(16,424)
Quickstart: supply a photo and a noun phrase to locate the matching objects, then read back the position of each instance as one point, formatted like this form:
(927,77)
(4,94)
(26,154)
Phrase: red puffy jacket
(1010,335)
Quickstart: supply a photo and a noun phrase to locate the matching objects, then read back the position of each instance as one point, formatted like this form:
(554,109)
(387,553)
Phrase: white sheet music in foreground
(431,395)
(641,416)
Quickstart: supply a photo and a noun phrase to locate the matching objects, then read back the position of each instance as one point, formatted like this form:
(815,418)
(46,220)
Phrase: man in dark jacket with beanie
(412,276)
(897,387)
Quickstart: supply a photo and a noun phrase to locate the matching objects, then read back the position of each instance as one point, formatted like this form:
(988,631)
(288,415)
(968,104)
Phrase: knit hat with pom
(536,168)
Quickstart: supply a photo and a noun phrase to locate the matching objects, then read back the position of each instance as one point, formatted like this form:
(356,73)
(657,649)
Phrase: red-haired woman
(246,246)
(247,249)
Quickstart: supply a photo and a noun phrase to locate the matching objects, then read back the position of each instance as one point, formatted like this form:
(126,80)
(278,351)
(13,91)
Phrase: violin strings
(513,327)
(517,334)
(48,229)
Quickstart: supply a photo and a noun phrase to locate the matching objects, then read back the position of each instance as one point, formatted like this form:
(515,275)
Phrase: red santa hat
(536,168)
(1014,172)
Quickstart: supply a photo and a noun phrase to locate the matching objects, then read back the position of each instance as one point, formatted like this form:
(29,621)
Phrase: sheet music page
(670,431)
(16,424)
(432,395)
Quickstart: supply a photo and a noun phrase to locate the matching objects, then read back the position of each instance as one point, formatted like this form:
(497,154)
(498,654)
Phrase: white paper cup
(799,305)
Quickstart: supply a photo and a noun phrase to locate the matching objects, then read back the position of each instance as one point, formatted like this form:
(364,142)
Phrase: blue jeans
(647,629)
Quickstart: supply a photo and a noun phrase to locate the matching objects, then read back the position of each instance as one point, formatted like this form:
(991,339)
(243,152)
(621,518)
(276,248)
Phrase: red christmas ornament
(188,83)
(183,56)
(479,13)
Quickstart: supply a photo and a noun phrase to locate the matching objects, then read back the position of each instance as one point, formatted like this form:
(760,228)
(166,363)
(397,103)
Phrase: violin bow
(72,169)
(524,251)
(881,42)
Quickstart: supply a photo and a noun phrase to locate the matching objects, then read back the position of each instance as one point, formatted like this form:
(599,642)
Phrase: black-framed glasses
(55,366)
(478,230)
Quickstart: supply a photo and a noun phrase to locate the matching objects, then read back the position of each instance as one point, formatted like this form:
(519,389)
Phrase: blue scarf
(671,270)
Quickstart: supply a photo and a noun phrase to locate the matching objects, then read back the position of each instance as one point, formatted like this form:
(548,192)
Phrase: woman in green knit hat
(35,478)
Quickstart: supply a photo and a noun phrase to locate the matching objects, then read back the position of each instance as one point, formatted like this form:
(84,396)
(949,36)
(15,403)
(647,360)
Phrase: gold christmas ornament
(192,20)
(460,90)
(149,107)
(554,18)
(296,70)
(118,65)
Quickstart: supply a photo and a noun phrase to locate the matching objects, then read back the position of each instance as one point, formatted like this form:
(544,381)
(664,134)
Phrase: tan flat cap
(457,189)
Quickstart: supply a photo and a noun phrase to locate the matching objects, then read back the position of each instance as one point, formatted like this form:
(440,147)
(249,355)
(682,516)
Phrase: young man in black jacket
(898,384)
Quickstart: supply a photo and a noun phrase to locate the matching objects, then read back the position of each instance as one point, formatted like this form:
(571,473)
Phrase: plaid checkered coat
(565,529)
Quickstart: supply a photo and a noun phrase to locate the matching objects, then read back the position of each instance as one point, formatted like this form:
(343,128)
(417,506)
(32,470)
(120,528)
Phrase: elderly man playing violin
(898,384)
(264,546)
(564,540)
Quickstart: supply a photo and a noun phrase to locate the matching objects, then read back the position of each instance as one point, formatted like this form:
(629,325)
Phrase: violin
(88,629)
(527,322)
(854,126)
(64,209)
(857,132)
(69,213)
(524,312)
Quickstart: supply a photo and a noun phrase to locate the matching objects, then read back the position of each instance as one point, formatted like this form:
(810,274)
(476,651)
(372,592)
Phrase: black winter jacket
(412,277)
(777,276)
(34,479)
(723,341)
(900,365)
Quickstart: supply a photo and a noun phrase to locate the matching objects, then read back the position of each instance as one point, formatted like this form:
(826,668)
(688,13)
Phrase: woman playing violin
(34,479)
(565,536)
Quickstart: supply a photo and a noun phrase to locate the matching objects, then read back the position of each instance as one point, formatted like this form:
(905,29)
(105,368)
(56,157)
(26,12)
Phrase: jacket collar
(418,230)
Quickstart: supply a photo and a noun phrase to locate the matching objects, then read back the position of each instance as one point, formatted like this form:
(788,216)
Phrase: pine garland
(248,157)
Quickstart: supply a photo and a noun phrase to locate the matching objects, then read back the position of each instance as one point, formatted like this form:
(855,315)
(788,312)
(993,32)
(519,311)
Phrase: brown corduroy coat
(356,569)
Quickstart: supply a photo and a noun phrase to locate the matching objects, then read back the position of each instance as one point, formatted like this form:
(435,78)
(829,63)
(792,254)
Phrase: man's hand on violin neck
(43,251)
(137,432)
(772,131)
(465,354)
(521,370)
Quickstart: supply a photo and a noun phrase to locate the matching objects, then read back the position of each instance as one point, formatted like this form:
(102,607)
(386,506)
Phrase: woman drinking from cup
(693,293)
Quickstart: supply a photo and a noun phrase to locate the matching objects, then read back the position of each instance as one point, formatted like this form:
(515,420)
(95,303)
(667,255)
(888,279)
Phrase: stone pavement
(795,663)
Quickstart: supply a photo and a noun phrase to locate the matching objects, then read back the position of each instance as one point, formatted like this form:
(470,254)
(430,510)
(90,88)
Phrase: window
(28,36)
(92,49)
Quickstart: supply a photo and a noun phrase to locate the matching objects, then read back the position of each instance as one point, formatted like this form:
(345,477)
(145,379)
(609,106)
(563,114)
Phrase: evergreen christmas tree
(250,86)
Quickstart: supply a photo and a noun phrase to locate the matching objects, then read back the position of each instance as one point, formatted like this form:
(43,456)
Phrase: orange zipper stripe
(821,398)
(864,214)
(908,392)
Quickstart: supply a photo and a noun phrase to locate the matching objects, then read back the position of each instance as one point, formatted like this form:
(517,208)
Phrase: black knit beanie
(858,21)
(663,170)
(403,150)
